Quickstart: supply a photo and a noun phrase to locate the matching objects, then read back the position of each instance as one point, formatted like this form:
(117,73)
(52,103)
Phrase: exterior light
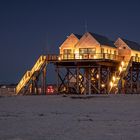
(97,76)
(120,69)
(80,76)
(114,78)
(102,85)
(92,78)
(122,63)
(111,84)
(59,58)
(76,56)
(80,56)
(118,78)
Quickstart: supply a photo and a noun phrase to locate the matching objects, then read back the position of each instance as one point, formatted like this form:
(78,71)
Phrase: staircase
(119,75)
(29,74)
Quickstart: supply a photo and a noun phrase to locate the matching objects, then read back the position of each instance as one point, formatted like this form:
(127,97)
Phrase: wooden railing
(54,57)
(91,56)
(135,59)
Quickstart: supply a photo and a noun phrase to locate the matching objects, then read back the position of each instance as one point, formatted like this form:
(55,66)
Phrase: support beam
(44,80)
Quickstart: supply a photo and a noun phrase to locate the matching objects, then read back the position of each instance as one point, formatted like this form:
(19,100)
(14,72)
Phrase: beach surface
(104,117)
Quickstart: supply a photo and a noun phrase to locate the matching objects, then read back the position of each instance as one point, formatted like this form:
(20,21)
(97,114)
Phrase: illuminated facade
(94,46)
(90,46)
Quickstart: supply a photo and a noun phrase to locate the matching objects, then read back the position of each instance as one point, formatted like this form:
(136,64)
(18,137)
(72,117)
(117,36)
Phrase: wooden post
(131,79)
(57,73)
(89,78)
(67,90)
(44,80)
(99,79)
(77,79)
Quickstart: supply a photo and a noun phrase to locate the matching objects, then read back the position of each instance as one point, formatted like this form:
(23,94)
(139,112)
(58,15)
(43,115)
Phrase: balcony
(90,56)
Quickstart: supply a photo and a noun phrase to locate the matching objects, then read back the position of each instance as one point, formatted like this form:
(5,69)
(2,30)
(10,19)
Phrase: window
(102,50)
(81,51)
(92,50)
(124,47)
(67,51)
(87,50)
(107,51)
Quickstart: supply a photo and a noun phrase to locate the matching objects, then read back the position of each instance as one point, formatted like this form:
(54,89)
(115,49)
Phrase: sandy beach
(108,117)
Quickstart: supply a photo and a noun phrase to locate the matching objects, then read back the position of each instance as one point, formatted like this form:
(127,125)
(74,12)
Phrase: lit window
(93,50)
(67,51)
(87,50)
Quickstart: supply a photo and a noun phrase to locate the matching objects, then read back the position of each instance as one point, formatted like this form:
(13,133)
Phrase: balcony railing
(91,56)
(88,56)
(136,59)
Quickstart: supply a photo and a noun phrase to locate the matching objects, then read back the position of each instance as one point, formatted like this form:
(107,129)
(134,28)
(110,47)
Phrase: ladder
(29,74)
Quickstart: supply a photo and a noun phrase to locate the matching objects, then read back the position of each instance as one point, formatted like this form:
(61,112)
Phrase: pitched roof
(133,45)
(78,36)
(103,40)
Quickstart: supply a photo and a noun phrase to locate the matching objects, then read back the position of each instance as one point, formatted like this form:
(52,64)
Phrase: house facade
(67,49)
(127,49)
(88,46)
(95,46)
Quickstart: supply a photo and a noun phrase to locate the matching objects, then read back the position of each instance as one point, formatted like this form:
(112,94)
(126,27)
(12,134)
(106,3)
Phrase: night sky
(31,28)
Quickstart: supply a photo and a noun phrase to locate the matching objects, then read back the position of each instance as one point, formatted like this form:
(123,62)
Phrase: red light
(50,89)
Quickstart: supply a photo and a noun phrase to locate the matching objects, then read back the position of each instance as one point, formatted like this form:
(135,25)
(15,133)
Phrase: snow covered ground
(63,118)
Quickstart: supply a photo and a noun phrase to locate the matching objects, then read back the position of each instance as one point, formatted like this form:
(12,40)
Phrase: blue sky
(31,28)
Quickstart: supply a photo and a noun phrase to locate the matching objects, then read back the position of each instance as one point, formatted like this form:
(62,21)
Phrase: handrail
(87,56)
(128,67)
(91,56)
(120,74)
(28,75)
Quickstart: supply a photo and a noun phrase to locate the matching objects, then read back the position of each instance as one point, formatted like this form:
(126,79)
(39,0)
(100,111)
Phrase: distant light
(97,76)
(102,85)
